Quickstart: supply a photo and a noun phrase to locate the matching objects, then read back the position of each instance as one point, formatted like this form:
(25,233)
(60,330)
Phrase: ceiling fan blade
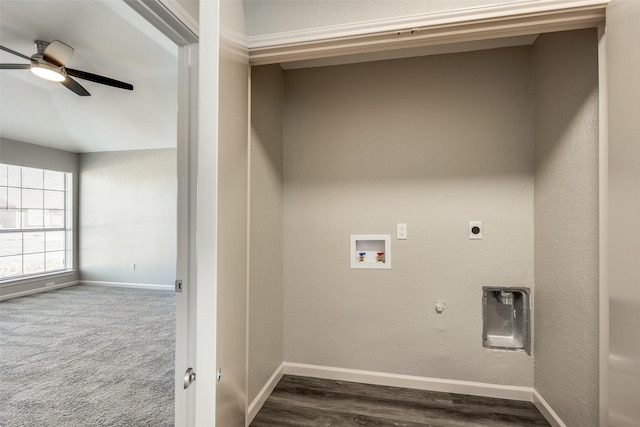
(75,87)
(98,79)
(6,49)
(14,66)
(58,53)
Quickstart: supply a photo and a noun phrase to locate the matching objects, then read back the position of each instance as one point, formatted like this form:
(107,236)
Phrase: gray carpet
(87,356)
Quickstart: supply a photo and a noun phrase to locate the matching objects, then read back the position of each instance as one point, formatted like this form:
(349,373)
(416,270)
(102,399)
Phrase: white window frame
(66,227)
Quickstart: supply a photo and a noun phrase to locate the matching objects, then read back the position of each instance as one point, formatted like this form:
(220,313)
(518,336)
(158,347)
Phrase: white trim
(181,19)
(470,24)
(546,410)
(36,278)
(128,285)
(603,215)
(264,394)
(170,18)
(447,18)
(205,219)
(39,290)
(414,382)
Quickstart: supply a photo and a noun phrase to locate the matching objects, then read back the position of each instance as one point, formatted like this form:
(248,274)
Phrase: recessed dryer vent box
(371,251)
(506,323)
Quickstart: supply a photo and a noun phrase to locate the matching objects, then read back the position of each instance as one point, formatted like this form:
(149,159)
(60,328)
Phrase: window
(35,221)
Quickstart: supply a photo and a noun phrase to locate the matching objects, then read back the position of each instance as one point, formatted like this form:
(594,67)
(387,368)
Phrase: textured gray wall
(566,224)
(266,227)
(24,154)
(128,215)
(434,142)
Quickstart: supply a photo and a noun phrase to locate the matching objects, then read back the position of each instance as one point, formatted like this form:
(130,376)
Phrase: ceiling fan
(49,63)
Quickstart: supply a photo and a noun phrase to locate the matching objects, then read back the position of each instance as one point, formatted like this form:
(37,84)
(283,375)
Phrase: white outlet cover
(472,225)
(401,231)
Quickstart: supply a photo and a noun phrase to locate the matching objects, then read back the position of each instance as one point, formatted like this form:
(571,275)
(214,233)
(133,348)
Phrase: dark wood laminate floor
(312,402)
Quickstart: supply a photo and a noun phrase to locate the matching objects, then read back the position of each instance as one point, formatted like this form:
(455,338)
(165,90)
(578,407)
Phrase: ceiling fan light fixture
(49,63)
(48,71)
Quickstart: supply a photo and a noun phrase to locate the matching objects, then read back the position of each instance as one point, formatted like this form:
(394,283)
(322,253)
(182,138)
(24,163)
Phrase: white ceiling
(109,39)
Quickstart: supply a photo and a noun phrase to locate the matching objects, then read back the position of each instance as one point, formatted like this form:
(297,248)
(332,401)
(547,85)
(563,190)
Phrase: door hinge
(189,377)
(178,285)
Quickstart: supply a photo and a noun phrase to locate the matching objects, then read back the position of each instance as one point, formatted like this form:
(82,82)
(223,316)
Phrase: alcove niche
(508,136)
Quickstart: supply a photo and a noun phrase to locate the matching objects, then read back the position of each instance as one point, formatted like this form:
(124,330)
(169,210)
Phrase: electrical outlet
(132,266)
(49,284)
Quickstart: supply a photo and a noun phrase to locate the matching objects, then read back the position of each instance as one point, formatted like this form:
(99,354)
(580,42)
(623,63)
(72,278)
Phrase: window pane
(54,200)
(54,218)
(13,176)
(10,244)
(3,198)
(32,178)
(3,174)
(32,218)
(32,198)
(33,263)
(32,201)
(10,266)
(55,241)
(33,242)
(13,197)
(55,260)
(54,180)
(10,218)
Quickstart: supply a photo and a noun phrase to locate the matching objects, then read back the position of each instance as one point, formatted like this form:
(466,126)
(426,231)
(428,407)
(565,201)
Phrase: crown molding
(459,26)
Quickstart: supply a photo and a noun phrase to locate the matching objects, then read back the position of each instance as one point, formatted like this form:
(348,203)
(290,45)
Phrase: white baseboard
(90,283)
(527,394)
(266,391)
(546,410)
(39,290)
(128,285)
(409,381)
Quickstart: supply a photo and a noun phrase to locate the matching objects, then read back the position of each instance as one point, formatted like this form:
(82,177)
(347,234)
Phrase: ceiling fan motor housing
(41,46)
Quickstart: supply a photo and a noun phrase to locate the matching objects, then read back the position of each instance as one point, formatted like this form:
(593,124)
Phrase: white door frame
(171,19)
(185,352)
